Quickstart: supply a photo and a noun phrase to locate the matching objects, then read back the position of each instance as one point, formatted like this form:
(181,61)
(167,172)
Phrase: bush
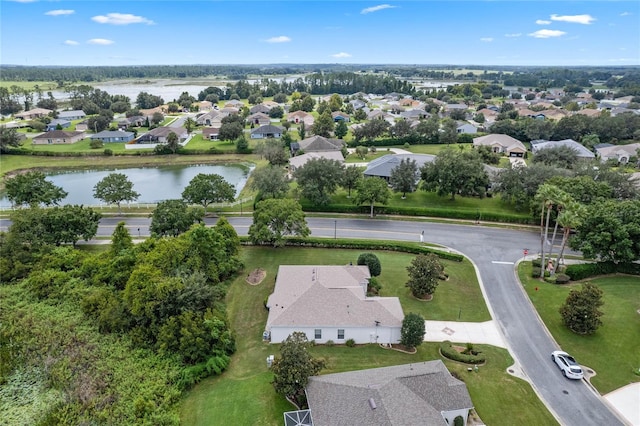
(458,421)
(562,278)
(373,289)
(537,263)
(585,270)
(372,261)
(108,152)
(536,271)
(330,343)
(95,144)
(447,350)
(350,343)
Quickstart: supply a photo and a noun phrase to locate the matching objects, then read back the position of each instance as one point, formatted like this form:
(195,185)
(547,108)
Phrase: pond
(152,183)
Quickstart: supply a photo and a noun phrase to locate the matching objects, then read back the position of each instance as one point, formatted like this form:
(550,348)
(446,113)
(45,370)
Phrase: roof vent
(372,404)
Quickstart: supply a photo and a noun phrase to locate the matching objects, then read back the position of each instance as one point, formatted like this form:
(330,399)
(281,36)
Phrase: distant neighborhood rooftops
(540,144)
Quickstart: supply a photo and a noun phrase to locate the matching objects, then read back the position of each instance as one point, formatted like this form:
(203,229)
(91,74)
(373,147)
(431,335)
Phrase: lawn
(244,395)
(613,351)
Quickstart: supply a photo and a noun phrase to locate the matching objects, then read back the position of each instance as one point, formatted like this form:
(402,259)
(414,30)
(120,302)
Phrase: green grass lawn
(614,350)
(244,394)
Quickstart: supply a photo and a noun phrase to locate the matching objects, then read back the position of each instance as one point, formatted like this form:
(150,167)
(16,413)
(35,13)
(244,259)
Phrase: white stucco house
(502,144)
(422,393)
(329,302)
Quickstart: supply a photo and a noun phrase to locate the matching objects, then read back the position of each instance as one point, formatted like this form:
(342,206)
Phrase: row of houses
(153,136)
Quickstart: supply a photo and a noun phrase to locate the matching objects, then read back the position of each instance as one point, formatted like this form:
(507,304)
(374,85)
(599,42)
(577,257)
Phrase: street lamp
(335,229)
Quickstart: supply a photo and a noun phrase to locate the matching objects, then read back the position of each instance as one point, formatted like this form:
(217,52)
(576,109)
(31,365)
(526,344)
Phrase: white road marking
(502,263)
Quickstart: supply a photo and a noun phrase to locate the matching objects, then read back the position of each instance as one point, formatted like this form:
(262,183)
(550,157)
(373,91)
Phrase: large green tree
(610,231)
(230,131)
(114,189)
(274,219)
(581,310)
(424,275)
(352,175)
(173,217)
(318,179)
(412,331)
(561,156)
(341,129)
(372,190)
(270,181)
(173,142)
(205,189)
(9,138)
(292,369)
(323,125)
(32,188)
(455,173)
(405,176)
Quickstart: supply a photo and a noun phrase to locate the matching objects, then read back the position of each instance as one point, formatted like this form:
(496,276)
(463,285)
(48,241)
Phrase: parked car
(568,365)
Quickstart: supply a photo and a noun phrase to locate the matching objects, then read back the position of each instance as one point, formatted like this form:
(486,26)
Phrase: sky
(162,32)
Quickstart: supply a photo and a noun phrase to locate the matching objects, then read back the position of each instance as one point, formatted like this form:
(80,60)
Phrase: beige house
(301,117)
(503,144)
(56,137)
(33,113)
(619,153)
(300,160)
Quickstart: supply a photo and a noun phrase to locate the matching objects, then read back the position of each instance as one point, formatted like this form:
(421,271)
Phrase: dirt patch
(256,276)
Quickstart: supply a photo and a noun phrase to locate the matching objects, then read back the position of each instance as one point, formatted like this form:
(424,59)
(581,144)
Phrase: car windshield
(576,370)
(571,360)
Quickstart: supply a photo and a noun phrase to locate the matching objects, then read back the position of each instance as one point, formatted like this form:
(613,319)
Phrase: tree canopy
(32,188)
(270,181)
(114,189)
(455,173)
(405,176)
(581,310)
(274,219)
(173,217)
(372,190)
(205,189)
(318,179)
(424,274)
(9,138)
(372,261)
(412,331)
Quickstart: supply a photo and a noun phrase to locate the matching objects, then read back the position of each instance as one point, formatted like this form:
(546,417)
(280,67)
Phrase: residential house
(466,128)
(318,144)
(541,144)
(58,137)
(623,110)
(211,118)
(340,116)
(109,136)
(589,112)
(266,131)
(160,134)
(77,114)
(204,105)
(489,115)
(133,121)
(555,114)
(449,108)
(503,144)
(270,104)
(234,103)
(33,113)
(260,108)
(300,160)
(53,124)
(83,126)
(414,114)
(378,114)
(358,104)
(422,393)
(259,118)
(211,133)
(301,117)
(229,111)
(329,302)
(620,153)
(383,166)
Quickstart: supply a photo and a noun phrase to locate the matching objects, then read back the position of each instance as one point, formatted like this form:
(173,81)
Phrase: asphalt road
(495,252)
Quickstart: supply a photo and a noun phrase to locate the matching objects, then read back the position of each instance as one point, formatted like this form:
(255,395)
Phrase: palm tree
(547,194)
(569,219)
(189,124)
(561,201)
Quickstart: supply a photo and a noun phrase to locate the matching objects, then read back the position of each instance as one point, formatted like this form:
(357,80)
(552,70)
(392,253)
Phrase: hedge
(420,211)
(365,245)
(581,271)
(447,350)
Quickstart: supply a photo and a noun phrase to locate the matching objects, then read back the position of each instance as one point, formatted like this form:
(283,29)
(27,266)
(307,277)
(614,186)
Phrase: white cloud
(278,39)
(513,35)
(626,14)
(547,33)
(71,43)
(376,8)
(60,12)
(101,41)
(486,39)
(574,19)
(341,55)
(25,1)
(542,22)
(121,19)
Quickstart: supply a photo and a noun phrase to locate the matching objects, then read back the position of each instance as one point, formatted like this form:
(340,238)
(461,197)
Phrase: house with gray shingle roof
(58,137)
(619,153)
(320,144)
(107,136)
(502,144)
(329,302)
(300,160)
(53,125)
(420,393)
(77,114)
(267,131)
(582,152)
(383,166)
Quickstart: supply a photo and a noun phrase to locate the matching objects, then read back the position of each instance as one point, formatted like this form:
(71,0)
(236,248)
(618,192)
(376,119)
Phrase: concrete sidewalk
(626,401)
(464,332)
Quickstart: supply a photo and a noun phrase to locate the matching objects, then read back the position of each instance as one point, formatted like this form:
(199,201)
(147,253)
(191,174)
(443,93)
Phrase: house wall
(450,415)
(55,141)
(361,335)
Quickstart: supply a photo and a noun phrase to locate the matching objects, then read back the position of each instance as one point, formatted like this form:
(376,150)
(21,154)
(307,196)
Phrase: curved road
(495,252)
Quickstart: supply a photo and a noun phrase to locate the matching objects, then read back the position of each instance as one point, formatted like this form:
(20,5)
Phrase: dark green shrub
(448,351)
(458,421)
(108,152)
(581,271)
(95,144)
(330,343)
(350,343)
(373,289)
(537,262)
(562,278)
(536,271)
(372,261)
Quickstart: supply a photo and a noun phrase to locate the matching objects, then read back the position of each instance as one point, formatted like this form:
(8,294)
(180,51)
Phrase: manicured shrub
(350,343)
(108,152)
(536,271)
(448,351)
(330,343)
(581,271)
(536,263)
(372,261)
(562,278)
(458,421)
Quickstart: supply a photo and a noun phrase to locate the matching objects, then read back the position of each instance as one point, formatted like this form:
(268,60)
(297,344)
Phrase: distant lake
(152,183)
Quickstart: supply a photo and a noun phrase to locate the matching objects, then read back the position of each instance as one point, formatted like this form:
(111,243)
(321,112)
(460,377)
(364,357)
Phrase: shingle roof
(384,165)
(111,134)
(74,113)
(267,128)
(505,141)
(327,295)
(320,143)
(301,160)
(58,134)
(401,394)
(583,152)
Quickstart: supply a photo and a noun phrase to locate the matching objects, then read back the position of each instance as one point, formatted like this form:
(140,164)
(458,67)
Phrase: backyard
(244,394)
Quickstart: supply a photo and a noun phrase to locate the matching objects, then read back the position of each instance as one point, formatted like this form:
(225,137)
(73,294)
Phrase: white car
(568,365)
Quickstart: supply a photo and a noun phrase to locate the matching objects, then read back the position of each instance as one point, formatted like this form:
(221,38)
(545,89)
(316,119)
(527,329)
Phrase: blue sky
(543,32)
